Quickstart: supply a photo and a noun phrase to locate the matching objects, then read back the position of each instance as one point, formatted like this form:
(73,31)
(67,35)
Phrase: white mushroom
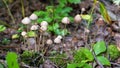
(59,37)
(49,41)
(26,20)
(77,18)
(43,28)
(34,27)
(66,20)
(33,17)
(44,23)
(57,40)
(24,33)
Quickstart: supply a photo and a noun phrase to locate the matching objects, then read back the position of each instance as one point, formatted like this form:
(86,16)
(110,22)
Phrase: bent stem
(9,12)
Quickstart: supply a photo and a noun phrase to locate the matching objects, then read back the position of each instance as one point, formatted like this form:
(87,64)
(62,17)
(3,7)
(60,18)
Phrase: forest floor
(58,55)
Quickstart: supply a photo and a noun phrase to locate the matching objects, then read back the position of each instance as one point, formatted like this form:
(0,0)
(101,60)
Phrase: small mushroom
(33,17)
(24,33)
(26,20)
(44,23)
(34,27)
(49,41)
(77,18)
(66,20)
(43,28)
(57,40)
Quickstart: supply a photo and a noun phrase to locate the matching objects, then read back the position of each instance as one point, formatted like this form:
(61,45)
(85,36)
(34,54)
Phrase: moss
(113,51)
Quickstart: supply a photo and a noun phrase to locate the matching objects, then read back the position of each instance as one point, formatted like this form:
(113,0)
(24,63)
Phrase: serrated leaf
(99,47)
(31,34)
(104,13)
(103,60)
(2,28)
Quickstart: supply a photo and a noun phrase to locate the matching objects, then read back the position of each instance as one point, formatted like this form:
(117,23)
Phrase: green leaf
(87,66)
(83,55)
(48,19)
(103,60)
(104,13)
(74,1)
(57,32)
(66,10)
(41,14)
(62,2)
(31,34)
(99,47)
(75,65)
(64,32)
(55,26)
(15,36)
(2,28)
(12,61)
(39,20)
(87,17)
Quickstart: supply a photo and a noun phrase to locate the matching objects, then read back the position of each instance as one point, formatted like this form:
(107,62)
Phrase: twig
(115,64)
(9,12)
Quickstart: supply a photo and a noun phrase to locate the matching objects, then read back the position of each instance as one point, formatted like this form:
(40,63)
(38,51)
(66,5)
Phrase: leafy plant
(12,60)
(81,58)
(99,48)
(83,55)
(5,41)
(2,28)
(54,15)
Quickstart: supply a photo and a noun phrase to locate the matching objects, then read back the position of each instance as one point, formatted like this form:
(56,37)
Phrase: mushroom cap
(33,17)
(26,20)
(44,23)
(65,20)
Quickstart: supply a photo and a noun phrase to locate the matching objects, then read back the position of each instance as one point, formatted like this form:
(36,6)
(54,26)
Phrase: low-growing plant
(113,51)
(81,59)
(54,14)
(84,56)
(12,60)
(99,48)
(5,41)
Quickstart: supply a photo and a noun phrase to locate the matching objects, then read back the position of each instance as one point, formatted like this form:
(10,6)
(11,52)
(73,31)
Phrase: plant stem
(22,6)
(9,12)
